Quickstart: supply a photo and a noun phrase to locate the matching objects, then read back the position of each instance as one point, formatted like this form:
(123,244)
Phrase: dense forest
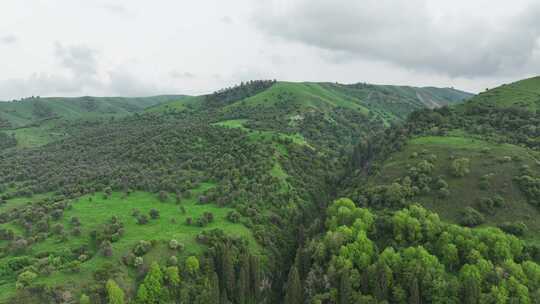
(272,192)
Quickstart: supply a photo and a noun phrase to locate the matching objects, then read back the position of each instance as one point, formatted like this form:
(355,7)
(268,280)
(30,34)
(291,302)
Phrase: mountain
(277,192)
(391,103)
(33,110)
(523,94)
(492,138)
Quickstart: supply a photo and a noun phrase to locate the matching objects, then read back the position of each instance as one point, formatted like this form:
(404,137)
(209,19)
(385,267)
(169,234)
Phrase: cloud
(227,20)
(8,39)
(115,8)
(181,75)
(408,34)
(78,74)
(81,60)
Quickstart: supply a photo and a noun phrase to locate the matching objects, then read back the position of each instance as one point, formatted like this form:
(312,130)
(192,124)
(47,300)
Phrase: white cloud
(409,34)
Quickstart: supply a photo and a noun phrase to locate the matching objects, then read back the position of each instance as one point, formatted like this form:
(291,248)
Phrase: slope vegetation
(31,110)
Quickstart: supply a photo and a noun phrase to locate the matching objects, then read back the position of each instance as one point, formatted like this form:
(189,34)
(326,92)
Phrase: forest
(274,192)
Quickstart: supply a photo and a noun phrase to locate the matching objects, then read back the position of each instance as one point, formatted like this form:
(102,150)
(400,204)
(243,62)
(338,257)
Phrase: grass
(98,211)
(485,158)
(25,112)
(233,123)
(524,93)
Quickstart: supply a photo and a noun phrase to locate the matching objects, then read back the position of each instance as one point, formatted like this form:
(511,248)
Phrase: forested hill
(220,198)
(31,110)
(389,103)
(444,209)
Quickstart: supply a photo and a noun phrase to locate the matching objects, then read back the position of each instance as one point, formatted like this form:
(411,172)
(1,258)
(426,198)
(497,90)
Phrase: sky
(141,48)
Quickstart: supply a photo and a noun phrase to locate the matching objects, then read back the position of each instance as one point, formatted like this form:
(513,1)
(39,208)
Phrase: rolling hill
(28,111)
(493,135)
(391,103)
(244,185)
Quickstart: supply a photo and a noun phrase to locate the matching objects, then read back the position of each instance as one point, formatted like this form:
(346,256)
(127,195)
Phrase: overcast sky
(141,47)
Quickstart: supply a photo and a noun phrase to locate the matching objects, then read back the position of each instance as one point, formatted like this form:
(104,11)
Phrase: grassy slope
(22,113)
(390,102)
(360,97)
(523,93)
(97,212)
(465,191)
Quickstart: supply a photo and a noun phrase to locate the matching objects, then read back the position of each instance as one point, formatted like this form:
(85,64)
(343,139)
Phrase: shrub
(154,214)
(138,262)
(173,244)
(517,228)
(163,196)
(142,219)
(172,261)
(142,248)
(443,193)
(460,167)
(192,264)
(233,216)
(471,217)
(25,279)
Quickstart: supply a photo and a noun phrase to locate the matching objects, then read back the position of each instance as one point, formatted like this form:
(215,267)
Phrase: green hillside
(390,103)
(31,110)
(252,180)
(490,186)
(524,94)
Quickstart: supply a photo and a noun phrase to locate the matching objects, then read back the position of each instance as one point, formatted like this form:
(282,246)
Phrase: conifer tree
(115,295)
(293,291)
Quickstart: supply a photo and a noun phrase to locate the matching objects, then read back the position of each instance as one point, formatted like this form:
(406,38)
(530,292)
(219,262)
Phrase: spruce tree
(345,289)
(214,289)
(293,291)
(115,295)
(255,277)
(227,272)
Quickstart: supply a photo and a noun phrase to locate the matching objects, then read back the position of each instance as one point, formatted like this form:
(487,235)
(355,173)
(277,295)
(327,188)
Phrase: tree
(242,286)
(163,196)
(154,213)
(115,295)
(84,299)
(293,288)
(414,292)
(471,284)
(214,296)
(106,248)
(192,264)
(345,288)
(227,271)
(255,277)
(460,167)
(25,279)
(151,290)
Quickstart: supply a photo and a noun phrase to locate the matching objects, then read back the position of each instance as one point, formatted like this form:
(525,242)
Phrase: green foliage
(293,289)
(422,260)
(150,291)
(460,167)
(471,217)
(192,264)
(115,294)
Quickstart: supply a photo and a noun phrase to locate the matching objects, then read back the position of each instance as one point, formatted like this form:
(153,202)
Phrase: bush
(517,228)
(233,216)
(25,279)
(470,217)
(173,244)
(154,214)
(163,196)
(142,248)
(443,193)
(460,167)
(142,219)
